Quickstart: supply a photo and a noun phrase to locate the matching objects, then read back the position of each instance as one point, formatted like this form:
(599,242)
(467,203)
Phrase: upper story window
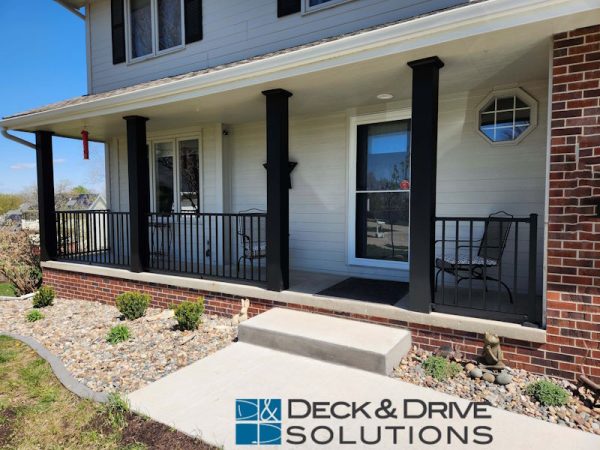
(146,28)
(507,116)
(155,26)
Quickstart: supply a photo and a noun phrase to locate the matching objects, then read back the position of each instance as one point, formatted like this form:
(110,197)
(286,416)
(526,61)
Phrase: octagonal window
(507,116)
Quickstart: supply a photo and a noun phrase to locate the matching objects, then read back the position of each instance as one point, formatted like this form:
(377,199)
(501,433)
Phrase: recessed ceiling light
(385,96)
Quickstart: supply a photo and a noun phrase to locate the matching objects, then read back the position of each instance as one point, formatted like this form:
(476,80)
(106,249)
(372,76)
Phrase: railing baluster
(515,267)
(470,263)
(456,243)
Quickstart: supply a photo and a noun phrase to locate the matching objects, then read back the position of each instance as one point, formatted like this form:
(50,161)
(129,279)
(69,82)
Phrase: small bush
(440,368)
(117,409)
(34,315)
(548,393)
(43,297)
(19,260)
(189,314)
(119,333)
(133,305)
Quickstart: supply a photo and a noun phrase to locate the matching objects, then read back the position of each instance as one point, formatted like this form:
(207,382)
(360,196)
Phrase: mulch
(154,435)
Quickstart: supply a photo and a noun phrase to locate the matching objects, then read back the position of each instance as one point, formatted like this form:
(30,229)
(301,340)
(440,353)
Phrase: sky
(42,60)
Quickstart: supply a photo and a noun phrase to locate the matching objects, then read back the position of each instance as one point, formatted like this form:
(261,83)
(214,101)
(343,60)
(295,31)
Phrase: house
(423,164)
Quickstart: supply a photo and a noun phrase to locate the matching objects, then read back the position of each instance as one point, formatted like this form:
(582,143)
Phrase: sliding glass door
(382,191)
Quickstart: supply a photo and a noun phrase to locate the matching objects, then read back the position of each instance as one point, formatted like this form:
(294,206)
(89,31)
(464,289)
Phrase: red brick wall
(533,357)
(573,312)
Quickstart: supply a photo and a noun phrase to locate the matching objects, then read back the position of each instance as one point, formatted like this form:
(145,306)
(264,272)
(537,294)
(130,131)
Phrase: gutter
(16,139)
(71,9)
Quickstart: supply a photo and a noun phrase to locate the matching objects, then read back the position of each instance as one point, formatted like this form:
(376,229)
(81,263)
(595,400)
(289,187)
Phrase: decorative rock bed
(76,332)
(578,413)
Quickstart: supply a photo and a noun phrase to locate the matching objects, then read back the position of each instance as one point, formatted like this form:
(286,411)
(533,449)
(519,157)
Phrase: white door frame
(354,122)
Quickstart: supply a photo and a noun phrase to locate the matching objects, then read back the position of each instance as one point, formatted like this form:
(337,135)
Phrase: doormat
(374,291)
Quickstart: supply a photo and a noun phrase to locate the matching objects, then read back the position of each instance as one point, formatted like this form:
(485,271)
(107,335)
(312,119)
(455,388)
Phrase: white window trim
(154,17)
(354,121)
(307,9)
(176,170)
(521,94)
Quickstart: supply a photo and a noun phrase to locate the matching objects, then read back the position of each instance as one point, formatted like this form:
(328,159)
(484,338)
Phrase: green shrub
(34,315)
(548,393)
(117,409)
(119,333)
(43,297)
(189,314)
(133,305)
(440,368)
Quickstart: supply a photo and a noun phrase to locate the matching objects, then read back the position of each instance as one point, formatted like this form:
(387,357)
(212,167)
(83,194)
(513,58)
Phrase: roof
(84,99)
(81,202)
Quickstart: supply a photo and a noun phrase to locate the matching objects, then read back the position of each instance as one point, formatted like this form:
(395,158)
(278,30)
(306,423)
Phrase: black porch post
(45,186)
(139,192)
(278,202)
(425,87)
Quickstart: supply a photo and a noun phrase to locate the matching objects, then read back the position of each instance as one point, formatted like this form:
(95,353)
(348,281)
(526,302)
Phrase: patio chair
(464,265)
(253,236)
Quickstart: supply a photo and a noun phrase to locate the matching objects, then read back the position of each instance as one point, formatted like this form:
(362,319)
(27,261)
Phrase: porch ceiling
(500,58)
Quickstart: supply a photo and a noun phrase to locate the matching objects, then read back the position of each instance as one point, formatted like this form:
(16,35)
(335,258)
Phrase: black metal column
(278,202)
(45,186)
(425,88)
(139,192)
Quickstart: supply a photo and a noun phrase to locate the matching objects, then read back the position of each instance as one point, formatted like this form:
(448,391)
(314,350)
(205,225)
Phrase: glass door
(383,191)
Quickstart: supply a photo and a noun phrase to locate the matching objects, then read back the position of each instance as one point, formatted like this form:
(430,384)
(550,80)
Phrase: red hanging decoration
(86,144)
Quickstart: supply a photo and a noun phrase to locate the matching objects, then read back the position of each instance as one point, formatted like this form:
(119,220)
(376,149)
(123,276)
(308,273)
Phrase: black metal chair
(464,265)
(251,229)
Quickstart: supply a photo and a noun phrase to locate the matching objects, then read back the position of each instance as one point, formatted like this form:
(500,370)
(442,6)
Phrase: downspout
(16,139)
(71,9)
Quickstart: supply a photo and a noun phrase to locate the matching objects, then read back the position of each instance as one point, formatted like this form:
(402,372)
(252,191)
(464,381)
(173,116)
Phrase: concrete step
(366,346)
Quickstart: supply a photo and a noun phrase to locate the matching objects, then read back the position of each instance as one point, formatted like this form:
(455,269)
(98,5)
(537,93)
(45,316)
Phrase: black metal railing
(487,267)
(209,245)
(93,237)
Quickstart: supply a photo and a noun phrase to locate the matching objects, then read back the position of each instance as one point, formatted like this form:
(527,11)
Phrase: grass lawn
(36,411)
(6,290)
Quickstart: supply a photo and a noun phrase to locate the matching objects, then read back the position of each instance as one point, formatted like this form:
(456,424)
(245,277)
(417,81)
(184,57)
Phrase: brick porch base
(551,358)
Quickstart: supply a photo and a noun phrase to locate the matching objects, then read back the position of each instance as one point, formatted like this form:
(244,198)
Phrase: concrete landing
(365,346)
(200,400)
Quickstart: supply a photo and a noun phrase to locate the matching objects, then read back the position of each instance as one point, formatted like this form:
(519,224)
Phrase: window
(176,175)
(380,194)
(506,117)
(143,29)
(314,5)
(155,26)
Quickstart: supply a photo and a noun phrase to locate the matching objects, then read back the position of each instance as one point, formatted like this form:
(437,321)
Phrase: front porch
(439,189)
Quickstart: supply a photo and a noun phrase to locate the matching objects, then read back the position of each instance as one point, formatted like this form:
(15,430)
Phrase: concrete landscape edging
(61,372)
(4,298)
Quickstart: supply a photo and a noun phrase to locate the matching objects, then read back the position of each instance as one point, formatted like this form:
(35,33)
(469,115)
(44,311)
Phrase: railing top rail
(484,219)
(200,214)
(90,211)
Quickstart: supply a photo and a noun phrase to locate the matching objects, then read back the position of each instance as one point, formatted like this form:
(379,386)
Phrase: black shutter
(287,7)
(193,20)
(118,30)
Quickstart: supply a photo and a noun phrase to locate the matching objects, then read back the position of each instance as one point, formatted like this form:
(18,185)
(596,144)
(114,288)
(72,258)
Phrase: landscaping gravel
(76,331)
(578,413)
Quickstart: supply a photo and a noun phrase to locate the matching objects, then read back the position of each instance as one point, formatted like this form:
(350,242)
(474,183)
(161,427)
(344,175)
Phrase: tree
(9,201)
(78,190)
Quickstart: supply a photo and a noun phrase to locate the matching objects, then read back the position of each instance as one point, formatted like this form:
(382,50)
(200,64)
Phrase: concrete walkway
(200,400)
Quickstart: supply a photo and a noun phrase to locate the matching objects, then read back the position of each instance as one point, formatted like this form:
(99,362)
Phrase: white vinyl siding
(239,29)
